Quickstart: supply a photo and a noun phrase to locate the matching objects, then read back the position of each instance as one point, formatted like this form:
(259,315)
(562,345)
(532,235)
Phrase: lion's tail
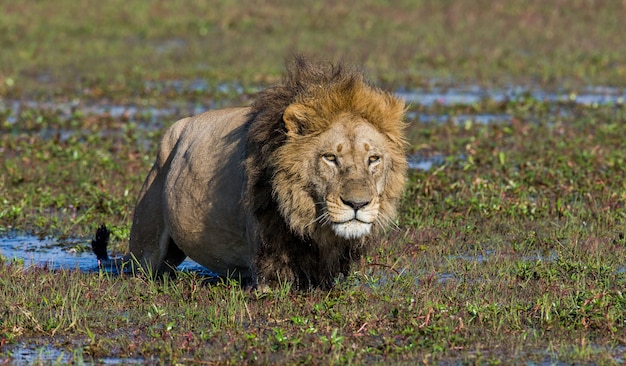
(99,246)
(100,243)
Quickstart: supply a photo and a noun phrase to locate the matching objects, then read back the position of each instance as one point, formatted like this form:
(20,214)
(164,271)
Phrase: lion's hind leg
(164,259)
(171,254)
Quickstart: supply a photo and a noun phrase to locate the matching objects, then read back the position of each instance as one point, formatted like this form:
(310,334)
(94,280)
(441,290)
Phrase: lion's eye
(331,158)
(373,159)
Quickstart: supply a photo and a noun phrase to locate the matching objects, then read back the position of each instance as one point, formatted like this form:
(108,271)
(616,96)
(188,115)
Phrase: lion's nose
(354,204)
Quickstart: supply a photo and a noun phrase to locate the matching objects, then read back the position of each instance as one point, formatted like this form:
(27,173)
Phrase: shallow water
(67,254)
(56,254)
(73,254)
(49,253)
(425,163)
(76,254)
(33,354)
(464,95)
(471,94)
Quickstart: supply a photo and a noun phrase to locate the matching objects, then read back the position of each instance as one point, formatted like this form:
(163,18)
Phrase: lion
(294,188)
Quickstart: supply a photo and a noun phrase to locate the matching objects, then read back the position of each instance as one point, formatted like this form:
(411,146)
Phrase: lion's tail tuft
(100,242)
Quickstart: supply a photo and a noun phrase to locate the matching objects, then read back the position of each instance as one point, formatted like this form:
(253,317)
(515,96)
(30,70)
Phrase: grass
(512,251)
(96,50)
(509,251)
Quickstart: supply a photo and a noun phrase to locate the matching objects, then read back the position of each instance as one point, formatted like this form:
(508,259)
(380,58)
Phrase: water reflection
(33,354)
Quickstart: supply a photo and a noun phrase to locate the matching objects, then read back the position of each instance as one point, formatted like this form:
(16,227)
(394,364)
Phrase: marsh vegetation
(510,247)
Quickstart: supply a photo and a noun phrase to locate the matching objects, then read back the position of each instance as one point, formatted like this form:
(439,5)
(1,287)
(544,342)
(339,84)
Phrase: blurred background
(113,48)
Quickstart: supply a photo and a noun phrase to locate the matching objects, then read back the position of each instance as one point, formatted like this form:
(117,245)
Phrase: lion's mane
(289,249)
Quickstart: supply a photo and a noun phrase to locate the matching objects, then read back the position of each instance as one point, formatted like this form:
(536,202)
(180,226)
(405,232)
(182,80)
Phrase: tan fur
(294,188)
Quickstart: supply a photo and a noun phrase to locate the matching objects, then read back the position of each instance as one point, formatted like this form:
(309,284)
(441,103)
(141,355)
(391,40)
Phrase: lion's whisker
(386,222)
(323,219)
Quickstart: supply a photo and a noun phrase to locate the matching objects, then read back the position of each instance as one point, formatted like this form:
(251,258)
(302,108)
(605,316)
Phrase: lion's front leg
(272,271)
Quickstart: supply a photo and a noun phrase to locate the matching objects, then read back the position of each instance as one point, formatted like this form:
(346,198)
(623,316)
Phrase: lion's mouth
(352,229)
(354,219)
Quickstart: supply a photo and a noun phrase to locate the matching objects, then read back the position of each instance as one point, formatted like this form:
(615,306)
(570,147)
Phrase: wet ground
(467,95)
(34,354)
(56,254)
(75,253)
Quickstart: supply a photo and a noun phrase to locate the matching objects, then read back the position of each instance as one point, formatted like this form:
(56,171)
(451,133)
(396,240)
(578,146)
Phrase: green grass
(110,49)
(512,251)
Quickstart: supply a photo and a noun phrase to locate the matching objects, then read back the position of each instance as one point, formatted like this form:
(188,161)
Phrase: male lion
(292,188)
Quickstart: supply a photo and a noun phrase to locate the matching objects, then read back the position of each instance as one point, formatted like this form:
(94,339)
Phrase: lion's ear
(295,118)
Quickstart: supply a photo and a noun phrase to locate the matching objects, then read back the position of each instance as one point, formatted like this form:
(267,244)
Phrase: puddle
(445,96)
(33,354)
(67,110)
(418,162)
(482,119)
(489,254)
(55,254)
(77,109)
(49,253)
(70,254)
(445,277)
(75,254)
(467,95)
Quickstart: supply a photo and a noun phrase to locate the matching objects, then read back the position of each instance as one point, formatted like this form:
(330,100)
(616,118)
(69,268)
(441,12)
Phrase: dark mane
(266,130)
(304,80)
(327,90)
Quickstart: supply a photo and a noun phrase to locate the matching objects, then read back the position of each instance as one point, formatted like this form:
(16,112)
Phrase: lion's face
(350,169)
(339,179)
